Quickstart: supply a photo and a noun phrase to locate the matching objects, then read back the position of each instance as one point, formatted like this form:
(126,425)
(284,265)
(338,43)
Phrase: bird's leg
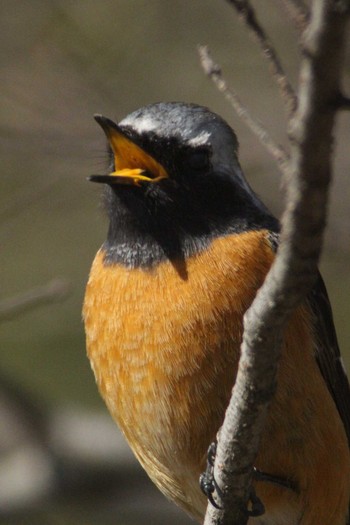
(208,486)
(257,507)
(276,480)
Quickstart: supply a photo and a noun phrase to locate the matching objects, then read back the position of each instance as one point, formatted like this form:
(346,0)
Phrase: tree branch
(54,291)
(298,12)
(295,267)
(247,15)
(213,70)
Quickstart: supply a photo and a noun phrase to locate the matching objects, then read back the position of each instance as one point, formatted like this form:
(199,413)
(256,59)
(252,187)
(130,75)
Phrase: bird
(188,245)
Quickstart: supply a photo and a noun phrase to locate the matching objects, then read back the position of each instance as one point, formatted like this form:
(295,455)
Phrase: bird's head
(176,141)
(175,147)
(174,170)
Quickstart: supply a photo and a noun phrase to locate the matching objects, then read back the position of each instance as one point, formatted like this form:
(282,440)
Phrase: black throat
(151,224)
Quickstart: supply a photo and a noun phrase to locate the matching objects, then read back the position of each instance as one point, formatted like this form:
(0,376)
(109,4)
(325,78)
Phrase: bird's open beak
(132,164)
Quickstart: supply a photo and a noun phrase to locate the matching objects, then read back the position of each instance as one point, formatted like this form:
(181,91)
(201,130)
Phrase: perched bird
(188,245)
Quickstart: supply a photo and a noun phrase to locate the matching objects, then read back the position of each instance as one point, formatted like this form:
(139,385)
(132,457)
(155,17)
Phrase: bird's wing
(328,354)
(327,351)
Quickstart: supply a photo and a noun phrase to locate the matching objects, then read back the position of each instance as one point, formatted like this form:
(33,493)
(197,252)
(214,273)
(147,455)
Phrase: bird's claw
(207,481)
(208,486)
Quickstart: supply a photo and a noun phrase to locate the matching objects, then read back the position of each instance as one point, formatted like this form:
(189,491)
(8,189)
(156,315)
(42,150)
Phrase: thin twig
(55,290)
(298,12)
(295,267)
(213,70)
(248,17)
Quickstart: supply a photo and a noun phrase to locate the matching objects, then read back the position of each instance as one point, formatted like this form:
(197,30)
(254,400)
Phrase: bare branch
(295,267)
(213,70)
(247,15)
(298,12)
(55,290)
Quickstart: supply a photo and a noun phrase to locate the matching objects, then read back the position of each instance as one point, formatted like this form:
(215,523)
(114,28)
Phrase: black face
(176,184)
(182,162)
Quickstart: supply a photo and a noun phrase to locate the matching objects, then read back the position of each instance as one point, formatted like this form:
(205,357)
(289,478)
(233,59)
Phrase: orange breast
(164,347)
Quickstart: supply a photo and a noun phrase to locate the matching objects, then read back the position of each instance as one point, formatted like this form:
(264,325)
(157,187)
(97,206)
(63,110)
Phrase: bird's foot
(209,486)
(207,481)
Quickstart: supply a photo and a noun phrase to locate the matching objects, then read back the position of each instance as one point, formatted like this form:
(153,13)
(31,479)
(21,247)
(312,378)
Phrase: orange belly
(164,347)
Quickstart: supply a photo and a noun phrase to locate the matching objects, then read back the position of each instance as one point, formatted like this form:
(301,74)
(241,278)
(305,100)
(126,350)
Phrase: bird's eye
(198,159)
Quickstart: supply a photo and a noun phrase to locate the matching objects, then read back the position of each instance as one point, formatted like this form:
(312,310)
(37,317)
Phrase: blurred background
(62,461)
